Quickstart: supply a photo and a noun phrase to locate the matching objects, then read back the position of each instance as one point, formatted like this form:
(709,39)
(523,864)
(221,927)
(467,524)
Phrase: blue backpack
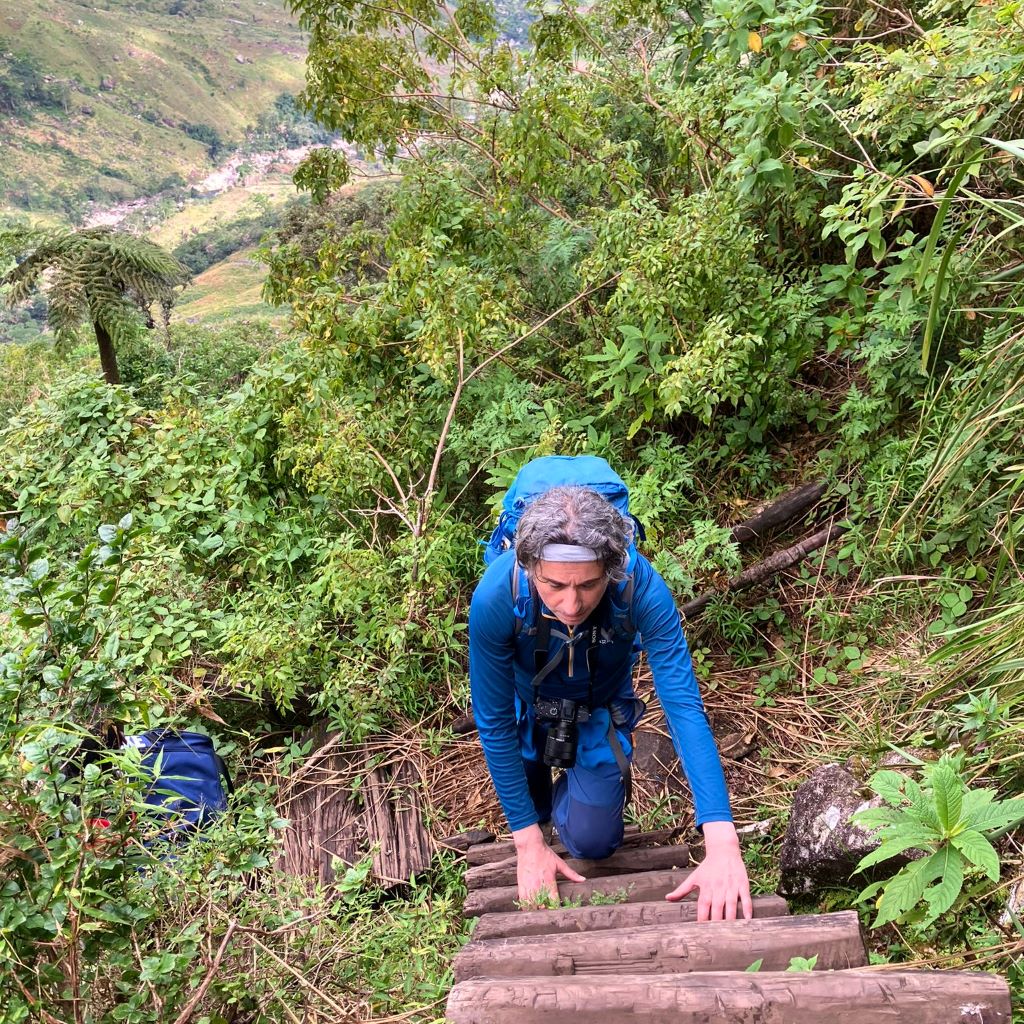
(536,477)
(189,784)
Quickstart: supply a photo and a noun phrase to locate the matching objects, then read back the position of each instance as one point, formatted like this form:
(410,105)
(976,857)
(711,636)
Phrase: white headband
(568,553)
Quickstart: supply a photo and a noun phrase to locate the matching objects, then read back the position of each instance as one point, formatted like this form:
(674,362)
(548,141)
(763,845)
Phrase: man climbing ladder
(554,627)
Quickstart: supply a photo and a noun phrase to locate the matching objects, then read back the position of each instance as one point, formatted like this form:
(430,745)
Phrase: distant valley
(107,102)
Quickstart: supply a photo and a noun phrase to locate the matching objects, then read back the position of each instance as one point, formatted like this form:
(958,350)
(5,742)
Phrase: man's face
(572,590)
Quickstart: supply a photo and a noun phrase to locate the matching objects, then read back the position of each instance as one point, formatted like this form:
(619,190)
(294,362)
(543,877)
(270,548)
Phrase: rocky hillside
(114,99)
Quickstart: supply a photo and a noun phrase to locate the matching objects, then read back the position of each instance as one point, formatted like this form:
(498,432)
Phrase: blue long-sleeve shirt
(501,668)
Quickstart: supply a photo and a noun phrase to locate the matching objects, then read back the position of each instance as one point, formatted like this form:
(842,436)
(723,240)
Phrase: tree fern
(95,274)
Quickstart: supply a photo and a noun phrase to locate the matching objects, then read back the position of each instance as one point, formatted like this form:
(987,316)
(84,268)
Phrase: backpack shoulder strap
(622,598)
(523,591)
(625,614)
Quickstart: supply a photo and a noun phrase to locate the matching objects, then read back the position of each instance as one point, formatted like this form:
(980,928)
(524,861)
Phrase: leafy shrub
(285,124)
(342,237)
(28,370)
(207,135)
(952,823)
(215,360)
(24,85)
(144,363)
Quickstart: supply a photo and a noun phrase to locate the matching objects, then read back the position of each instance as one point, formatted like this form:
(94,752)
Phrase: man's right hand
(538,866)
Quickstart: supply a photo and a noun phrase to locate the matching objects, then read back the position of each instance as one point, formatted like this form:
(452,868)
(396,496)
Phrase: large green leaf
(876,817)
(905,889)
(902,838)
(940,897)
(979,851)
(923,809)
(998,814)
(947,791)
(889,785)
(869,891)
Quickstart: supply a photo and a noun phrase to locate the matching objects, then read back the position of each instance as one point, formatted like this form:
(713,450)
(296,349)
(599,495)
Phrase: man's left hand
(721,877)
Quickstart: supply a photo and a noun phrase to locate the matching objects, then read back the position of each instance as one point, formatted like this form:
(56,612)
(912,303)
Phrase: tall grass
(970,436)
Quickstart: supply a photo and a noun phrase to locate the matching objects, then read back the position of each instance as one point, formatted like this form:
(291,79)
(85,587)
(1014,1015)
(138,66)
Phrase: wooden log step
(835,939)
(487,853)
(592,919)
(641,887)
(622,861)
(835,997)
(462,841)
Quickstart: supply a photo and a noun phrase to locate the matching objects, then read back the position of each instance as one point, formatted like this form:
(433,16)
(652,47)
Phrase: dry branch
(765,570)
(780,511)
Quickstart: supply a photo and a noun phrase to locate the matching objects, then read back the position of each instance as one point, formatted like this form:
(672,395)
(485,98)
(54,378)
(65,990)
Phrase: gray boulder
(821,846)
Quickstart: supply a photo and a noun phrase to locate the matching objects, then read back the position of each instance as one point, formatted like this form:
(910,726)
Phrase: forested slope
(114,100)
(732,248)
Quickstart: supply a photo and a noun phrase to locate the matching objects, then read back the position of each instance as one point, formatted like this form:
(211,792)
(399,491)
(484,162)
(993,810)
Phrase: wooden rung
(624,860)
(835,939)
(487,853)
(632,888)
(592,919)
(462,841)
(835,997)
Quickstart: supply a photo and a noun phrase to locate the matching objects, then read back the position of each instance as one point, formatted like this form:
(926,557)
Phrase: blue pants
(586,804)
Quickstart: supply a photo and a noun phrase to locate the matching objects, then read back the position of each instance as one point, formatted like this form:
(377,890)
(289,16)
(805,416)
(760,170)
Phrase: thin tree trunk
(108,357)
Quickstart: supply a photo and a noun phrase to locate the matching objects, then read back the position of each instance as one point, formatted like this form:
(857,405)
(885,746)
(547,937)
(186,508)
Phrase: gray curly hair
(575,515)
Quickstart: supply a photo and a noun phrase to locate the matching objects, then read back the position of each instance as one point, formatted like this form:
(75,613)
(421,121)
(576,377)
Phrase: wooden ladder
(626,954)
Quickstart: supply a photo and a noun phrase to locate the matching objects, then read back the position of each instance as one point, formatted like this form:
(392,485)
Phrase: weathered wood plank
(626,859)
(782,510)
(487,853)
(592,919)
(326,823)
(835,939)
(640,887)
(393,821)
(462,841)
(836,997)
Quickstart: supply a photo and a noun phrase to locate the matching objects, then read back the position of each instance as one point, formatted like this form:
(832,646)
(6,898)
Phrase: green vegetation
(229,289)
(204,249)
(944,817)
(731,248)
